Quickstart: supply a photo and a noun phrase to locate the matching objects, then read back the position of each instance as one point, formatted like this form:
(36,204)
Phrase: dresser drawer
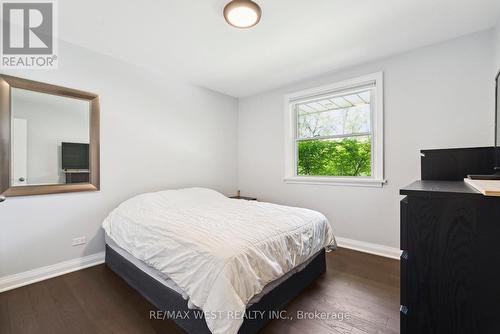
(403,315)
(404,278)
(404,223)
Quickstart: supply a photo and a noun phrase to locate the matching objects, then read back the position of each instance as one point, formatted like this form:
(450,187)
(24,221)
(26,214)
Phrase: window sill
(336,181)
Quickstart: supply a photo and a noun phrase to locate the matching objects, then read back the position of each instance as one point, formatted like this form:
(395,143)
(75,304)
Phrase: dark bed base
(166,299)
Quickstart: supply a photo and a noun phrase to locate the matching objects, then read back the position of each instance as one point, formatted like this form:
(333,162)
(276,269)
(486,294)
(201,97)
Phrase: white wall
(155,134)
(435,97)
(496,44)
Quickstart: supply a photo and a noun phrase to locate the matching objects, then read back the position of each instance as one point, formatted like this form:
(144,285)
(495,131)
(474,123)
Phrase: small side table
(244,198)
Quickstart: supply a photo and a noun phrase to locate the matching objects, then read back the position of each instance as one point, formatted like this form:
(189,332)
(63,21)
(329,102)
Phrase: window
(334,134)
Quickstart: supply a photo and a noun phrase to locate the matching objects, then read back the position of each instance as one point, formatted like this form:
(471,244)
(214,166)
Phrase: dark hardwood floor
(362,287)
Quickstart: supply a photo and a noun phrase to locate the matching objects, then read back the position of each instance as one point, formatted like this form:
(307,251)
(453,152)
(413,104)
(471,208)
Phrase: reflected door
(19,152)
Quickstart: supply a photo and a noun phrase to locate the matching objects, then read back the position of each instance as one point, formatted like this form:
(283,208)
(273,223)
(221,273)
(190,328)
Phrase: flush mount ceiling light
(242,13)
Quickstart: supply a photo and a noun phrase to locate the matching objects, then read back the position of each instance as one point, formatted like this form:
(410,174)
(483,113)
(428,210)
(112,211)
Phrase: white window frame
(377,123)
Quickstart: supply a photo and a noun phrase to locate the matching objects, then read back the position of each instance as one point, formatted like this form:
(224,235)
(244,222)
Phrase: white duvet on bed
(221,252)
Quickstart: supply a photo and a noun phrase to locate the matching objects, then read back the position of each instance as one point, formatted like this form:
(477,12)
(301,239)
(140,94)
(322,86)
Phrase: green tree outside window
(345,157)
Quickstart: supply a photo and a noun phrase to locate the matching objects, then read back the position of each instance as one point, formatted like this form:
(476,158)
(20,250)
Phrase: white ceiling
(296,39)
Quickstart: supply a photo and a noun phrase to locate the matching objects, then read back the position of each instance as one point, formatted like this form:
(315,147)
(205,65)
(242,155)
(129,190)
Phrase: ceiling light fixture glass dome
(242,13)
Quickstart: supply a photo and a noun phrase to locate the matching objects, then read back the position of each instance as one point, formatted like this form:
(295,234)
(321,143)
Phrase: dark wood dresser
(450,238)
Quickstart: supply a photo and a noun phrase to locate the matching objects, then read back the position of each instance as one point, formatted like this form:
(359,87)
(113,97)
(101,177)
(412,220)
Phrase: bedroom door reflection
(19,151)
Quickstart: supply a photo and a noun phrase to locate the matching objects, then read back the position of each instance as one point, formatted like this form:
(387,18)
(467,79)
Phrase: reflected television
(75,156)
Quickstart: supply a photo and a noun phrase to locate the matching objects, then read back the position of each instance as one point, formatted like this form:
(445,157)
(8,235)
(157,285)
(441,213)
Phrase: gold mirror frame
(6,84)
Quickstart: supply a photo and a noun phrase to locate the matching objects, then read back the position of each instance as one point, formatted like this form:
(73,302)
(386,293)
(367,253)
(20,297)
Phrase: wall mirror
(49,138)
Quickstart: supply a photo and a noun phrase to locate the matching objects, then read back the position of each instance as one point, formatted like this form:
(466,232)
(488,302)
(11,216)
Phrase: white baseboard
(43,273)
(367,247)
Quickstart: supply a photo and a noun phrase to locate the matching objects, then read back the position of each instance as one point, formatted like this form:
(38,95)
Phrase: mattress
(220,252)
(169,283)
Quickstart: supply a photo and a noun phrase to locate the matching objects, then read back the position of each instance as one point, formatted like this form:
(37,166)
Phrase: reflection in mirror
(50,139)
(497,115)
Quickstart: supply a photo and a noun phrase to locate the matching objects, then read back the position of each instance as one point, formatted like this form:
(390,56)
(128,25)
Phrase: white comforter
(221,252)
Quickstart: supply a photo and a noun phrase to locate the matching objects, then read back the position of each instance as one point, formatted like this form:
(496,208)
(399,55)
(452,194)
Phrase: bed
(214,264)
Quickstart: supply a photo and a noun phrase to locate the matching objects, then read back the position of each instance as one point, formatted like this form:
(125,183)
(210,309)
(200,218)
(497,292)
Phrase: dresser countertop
(440,188)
